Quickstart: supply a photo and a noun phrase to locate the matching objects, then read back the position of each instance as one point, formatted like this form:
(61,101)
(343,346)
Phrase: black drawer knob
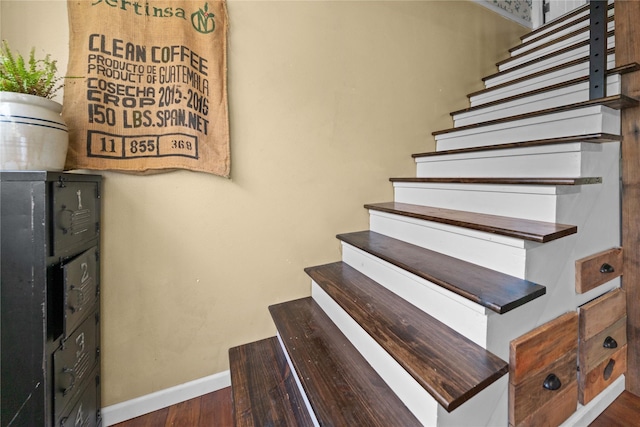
(552,382)
(610,342)
(607,268)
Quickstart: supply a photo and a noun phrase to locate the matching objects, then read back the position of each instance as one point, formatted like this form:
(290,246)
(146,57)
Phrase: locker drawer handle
(71,373)
(610,342)
(608,370)
(606,268)
(80,299)
(552,382)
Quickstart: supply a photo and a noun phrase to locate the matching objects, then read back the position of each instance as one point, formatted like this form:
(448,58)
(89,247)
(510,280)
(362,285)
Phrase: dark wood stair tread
(550,55)
(591,138)
(617,102)
(537,33)
(546,70)
(585,79)
(535,231)
(508,181)
(574,33)
(492,289)
(550,43)
(448,365)
(565,17)
(264,388)
(341,386)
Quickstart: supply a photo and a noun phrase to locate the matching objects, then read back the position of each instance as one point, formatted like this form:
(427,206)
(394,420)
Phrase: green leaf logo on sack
(202,20)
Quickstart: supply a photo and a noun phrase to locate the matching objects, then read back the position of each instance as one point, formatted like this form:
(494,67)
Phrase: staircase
(413,325)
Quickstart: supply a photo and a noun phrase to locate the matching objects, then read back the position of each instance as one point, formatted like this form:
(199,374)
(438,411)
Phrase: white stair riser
(413,395)
(578,24)
(541,65)
(528,56)
(526,202)
(552,26)
(496,252)
(534,83)
(466,317)
(540,101)
(561,161)
(584,121)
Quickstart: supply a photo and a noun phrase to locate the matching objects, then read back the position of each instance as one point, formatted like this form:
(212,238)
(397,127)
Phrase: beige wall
(328,100)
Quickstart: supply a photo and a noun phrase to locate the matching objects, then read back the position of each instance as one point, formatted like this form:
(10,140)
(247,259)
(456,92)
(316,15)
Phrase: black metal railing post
(597,49)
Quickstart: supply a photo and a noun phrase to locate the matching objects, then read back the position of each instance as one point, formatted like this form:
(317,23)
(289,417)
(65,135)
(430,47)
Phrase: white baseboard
(161,399)
(585,415)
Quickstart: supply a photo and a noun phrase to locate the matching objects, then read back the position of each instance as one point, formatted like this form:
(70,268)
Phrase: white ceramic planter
(32,133)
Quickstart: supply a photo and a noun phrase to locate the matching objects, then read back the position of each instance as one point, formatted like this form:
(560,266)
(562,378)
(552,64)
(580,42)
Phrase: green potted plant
(33,135)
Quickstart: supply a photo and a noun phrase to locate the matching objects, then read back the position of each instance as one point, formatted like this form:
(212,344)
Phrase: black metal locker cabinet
(49,299)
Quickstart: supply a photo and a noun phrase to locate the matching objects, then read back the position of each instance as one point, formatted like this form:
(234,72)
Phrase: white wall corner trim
(124,411)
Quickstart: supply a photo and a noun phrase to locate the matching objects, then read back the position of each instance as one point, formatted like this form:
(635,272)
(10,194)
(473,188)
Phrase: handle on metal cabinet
(72,374)
(610,342)
(552,382)
(80,299)
(606,268)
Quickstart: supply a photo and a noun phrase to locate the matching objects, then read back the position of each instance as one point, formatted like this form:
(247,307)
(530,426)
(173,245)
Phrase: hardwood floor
(214,410)
(210,410)
(623,412)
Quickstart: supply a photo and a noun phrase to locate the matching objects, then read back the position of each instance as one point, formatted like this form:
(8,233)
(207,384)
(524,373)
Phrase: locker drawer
(80,288)
(602,343)
(543,387)
(86,410)
(75,215)
(598,269)
(73,363)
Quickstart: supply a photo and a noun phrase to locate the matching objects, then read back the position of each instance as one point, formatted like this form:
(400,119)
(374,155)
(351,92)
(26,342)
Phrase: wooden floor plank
(264,388)
(215,410)
(448,365)
(623,412)
(535,231)
(185,413)
(341,386)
